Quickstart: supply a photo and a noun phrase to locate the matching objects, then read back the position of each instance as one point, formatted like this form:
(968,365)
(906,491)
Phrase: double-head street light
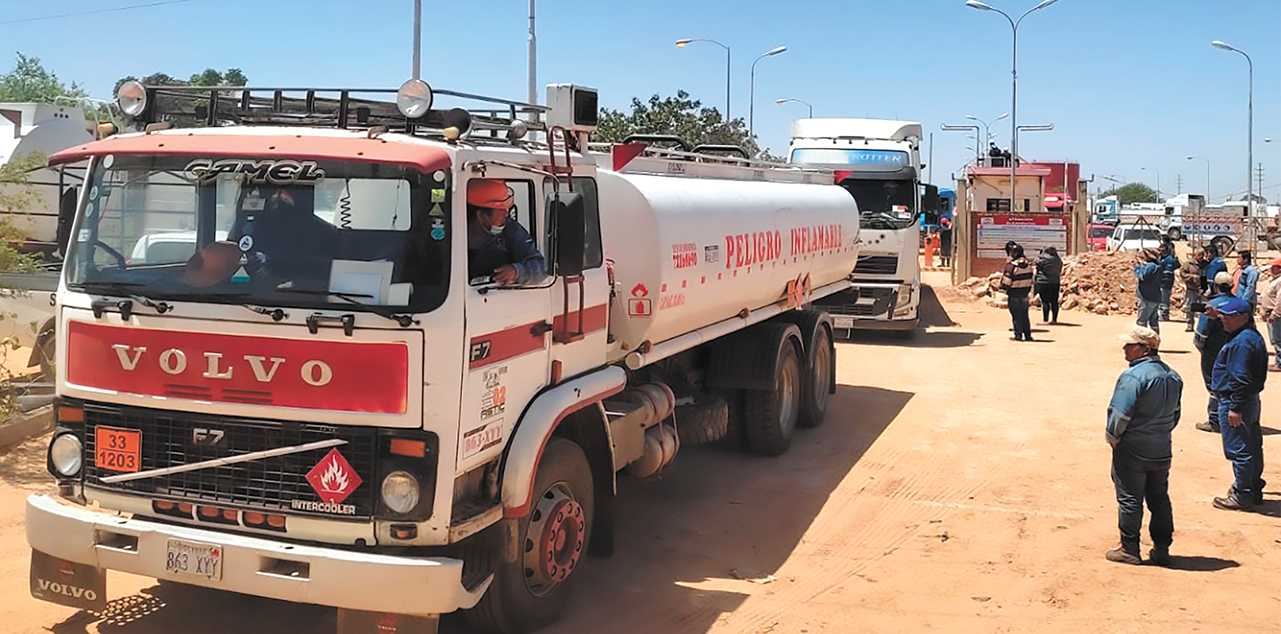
(1014,83)
(987,135)
(1249,136)
(805,103)
(751,94)
(682,43)
(1158,179)
(977,153)
(1207,175)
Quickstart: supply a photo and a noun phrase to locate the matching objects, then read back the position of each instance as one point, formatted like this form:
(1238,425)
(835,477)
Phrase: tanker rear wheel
(819,379)
(702,422)
(771,414)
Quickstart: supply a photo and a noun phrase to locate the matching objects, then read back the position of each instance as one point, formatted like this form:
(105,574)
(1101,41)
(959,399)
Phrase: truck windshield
(884,204)
(263,231)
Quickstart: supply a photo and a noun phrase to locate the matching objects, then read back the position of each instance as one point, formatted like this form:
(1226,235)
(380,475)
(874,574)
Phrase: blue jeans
(1166,292)
(1243,446)
(1137,481)
(1274,334)
(1148,314)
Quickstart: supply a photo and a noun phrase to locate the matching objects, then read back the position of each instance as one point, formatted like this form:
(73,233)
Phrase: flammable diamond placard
(333,478)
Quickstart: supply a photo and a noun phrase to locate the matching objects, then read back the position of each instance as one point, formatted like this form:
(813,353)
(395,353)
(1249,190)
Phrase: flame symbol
(334,479)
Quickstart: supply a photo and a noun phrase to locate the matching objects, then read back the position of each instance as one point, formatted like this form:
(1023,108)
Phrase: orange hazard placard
(118,449)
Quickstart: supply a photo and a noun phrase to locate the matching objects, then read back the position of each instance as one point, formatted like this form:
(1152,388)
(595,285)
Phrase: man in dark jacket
(1049,275)
(498,247)
(1148,274)
(1016,283)
(1209,339)
(1239,374)
(1193,300)
(1170,264)
(1143,412)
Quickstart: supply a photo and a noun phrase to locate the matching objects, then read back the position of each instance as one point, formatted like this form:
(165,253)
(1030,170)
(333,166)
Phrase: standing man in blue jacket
(1148,275)
(1169,264)
(1215,266)
(1144,410)
(1239,374)
(1247,279)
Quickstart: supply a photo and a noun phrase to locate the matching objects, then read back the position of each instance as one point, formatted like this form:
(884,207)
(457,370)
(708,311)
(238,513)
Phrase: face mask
(495,231)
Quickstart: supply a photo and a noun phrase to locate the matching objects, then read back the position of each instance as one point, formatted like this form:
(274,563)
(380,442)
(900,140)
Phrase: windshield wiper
(402,319)
(123,288)
(276,314)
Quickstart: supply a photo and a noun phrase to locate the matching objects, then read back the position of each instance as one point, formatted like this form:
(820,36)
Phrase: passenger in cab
(498,247)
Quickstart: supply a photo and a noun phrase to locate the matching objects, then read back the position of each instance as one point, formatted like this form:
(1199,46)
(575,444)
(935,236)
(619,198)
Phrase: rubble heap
(1100,283)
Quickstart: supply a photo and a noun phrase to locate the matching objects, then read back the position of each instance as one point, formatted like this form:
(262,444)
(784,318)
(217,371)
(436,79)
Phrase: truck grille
(269,483)
(876,265)
(848,302)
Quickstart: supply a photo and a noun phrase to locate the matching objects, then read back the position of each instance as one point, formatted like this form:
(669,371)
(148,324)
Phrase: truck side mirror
(930,201)
(566,220)
(66,214)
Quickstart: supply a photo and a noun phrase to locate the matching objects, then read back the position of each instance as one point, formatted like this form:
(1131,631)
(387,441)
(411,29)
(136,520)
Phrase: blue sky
(1126,83)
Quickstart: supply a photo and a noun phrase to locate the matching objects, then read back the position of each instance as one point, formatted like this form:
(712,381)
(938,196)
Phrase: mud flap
(68,583)
(361,622)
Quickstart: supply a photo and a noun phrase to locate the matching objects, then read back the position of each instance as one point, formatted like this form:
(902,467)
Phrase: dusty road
(959,484)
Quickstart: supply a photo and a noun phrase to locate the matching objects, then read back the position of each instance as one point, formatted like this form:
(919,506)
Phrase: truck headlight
(66,454)
(400,492)
(904,296)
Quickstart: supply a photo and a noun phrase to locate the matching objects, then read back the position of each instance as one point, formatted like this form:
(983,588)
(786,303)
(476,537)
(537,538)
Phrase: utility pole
(418,37)
(1178,184)
(532,97)
(929,167)
(1260,172)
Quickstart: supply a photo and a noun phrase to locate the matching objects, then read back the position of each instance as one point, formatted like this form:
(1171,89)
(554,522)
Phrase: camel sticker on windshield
(264,172)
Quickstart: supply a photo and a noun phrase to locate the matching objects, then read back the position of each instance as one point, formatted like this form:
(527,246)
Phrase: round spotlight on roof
(132,98)
(414,98)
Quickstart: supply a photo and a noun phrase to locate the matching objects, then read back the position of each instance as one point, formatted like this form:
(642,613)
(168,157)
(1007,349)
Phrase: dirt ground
(959,484)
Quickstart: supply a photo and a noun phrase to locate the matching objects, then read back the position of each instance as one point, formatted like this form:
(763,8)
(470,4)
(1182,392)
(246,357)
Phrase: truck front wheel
(772,414)
(552,539)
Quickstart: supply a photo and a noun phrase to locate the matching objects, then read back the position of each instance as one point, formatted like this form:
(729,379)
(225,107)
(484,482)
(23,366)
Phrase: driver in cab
(498,247)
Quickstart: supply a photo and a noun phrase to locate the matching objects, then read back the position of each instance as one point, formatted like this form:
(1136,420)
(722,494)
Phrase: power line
(95,12)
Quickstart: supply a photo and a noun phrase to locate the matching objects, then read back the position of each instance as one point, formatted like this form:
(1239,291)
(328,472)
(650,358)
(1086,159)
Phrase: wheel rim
(822,371)
(555,539)
(787,391)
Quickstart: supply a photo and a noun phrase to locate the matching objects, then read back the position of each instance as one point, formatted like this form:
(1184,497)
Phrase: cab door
(580,305)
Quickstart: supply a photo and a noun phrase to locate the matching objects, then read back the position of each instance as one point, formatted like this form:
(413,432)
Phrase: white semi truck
(879,162)
(303,392)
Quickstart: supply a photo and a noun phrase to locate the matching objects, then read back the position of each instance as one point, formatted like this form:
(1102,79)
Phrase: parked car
(1097,236)
(1134,238)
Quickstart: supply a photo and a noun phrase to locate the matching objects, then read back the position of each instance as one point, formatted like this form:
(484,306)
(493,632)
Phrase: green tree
(208,77)
(16,197)
(29,81)
(1134,193)
(680,116)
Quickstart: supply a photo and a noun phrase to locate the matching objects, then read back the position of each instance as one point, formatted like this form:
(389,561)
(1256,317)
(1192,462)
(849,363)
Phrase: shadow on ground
(714,514)
(1197,563)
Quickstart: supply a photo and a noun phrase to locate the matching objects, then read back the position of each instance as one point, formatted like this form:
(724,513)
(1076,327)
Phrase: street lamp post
(1249,135)
(682,43)
(1207,175)
(751,93)
(1158,181)
(987,136)
(977,144)
(806,103)
(1014,83)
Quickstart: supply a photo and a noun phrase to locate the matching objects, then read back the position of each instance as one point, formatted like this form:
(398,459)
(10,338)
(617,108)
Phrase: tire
(1175,233)
(736,422)
(771,415)
(532,591)
(818,381)
(702,422)
(1223,245)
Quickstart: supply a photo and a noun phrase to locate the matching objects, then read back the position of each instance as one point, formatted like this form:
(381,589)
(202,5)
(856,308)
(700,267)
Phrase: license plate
(842,322)
(194,559)
(118,449)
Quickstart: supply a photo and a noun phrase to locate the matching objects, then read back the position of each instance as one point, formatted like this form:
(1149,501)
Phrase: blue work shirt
(1149,276)
(1145,408)
(1240,369)
(1247,287)
(1216,266)
(513,246)
(1169,267)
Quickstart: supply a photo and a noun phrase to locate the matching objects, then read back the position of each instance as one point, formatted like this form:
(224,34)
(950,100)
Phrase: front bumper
(252,565)
(853,323)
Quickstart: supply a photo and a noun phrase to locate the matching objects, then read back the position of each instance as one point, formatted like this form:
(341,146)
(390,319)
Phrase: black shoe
(1159,556)
(1122,556)
(1232,504)
(1206,425)
(1028,338)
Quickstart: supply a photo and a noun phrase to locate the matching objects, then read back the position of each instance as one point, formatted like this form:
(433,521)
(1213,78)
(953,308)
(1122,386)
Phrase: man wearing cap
(1271,302)
(1210,338)
(1148,274)
(1247,280)
(1143,412)
(497,246)
(1239,374)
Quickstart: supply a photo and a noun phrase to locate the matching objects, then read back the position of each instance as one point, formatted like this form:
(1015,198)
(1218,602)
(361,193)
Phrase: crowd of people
(1220,307)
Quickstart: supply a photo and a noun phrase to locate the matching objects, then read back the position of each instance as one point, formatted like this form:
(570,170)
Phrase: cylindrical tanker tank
(691,252)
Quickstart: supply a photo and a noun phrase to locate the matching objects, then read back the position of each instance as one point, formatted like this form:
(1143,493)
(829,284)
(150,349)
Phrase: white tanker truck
(362,424)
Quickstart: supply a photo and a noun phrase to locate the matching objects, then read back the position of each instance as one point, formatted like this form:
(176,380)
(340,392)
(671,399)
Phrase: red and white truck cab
(280,377)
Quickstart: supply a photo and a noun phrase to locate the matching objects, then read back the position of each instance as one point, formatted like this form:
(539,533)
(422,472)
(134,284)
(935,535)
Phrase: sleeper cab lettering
(282,172)
(174,361)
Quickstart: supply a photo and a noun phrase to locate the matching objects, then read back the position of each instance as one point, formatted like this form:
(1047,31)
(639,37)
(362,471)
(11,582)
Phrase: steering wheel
(120,259)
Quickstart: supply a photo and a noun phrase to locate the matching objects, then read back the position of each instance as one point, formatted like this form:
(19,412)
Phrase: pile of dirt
(1100,283)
